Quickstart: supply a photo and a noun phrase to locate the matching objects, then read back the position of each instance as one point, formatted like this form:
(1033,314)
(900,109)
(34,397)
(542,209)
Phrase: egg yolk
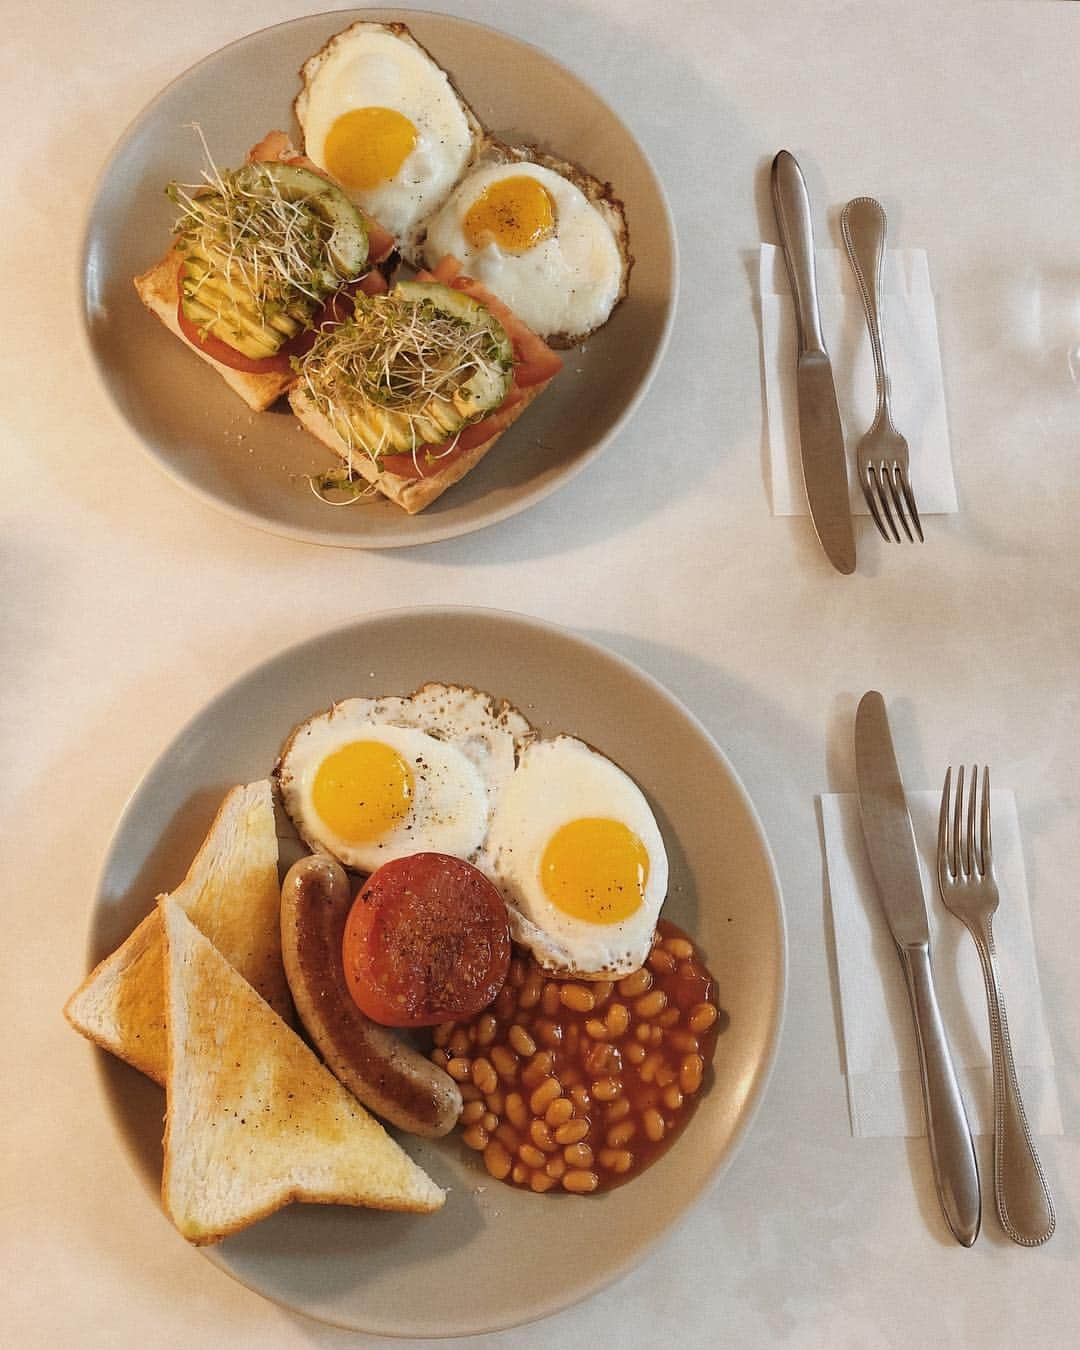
(367,146)
(514,213)
(595,869)
(362,790)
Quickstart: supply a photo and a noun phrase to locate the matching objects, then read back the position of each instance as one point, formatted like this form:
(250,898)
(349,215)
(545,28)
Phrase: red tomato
(427,940)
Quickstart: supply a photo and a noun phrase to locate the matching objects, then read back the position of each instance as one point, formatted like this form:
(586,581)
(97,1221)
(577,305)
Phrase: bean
(647,1072)
(683,1041)
(650,1004)
(520,1173)
(537,1068)
(541,1136)
(603,1061)
(505,1061)
(617,1019)
(484,1075)
(469,1092)
(531,1156)
(458,1069)
(442,1033)
(573,1132)
(621,1133)
(596,1029)
(496,1102)
(529,995)
(661,961)
(459,1042)
(497,1161)
(522,1042)
(559,1112)
(579,1095)
(549,999)
(551,1033)
(606,1089)
(476,1137)
(578,1155)
(654,1124)
(672,1097)
(634,1053)
(643,1033)
(503,1006)
(665,1074)
(515,1110)
(616,1159)
(580,1182)
(601,991)
(638,982)
(618,1110)
(541,1182)
(485,1029)
(702,1016)
(508,1136)
(471,1112)
(555,1167)
(691,1072)
(668,1017)
(656,1035)
(679,947)
(490,1121)
(577,998)
(441,1058)
(544,1095)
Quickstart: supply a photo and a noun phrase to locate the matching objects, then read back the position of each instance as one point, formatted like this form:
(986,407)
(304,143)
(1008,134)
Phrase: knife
(890,843)
(824,463)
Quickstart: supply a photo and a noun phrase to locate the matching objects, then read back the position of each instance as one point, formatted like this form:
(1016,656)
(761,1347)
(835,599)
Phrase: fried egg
(373,780)
(533,237)
(576,851)
(382,118)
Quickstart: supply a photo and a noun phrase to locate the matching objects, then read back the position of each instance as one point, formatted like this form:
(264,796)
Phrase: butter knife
(890,844)
(821,437)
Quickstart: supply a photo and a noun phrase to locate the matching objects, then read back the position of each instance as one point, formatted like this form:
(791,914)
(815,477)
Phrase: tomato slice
(427,940)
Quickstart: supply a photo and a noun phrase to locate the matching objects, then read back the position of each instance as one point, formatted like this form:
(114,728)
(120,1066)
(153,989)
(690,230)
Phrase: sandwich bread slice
(232,894)
(255,1120)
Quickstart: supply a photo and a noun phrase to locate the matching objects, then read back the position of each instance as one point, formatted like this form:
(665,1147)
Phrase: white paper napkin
(884,1091)
(911,346)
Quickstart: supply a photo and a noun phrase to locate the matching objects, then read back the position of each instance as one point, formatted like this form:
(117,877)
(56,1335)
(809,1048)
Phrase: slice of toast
(159,290)
(255,1120)
(412,494)
(232,894)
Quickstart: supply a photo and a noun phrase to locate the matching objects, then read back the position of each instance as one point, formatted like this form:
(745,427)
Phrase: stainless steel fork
(882,454)
(969,890)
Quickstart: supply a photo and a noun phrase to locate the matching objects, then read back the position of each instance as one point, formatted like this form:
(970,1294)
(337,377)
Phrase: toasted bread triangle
(232,894)
(255,1120)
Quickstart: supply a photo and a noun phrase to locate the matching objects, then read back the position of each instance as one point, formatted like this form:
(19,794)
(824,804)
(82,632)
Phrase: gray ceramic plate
(494,1256)
(253,465)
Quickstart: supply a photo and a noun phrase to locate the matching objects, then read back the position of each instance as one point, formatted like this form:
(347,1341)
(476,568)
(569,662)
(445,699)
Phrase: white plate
(253,464)
(494,1256)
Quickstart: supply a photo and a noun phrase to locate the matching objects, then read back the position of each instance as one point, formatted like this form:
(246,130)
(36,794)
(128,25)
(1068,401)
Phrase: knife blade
(821,436)
(890,845)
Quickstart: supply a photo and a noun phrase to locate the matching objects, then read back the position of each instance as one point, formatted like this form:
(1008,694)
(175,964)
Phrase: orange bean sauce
(578,1085)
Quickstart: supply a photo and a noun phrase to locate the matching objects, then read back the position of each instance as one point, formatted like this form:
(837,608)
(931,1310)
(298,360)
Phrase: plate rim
(302,534)
(763,1070)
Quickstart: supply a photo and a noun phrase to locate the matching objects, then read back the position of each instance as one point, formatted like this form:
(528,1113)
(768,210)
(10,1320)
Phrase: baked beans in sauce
(579,1085)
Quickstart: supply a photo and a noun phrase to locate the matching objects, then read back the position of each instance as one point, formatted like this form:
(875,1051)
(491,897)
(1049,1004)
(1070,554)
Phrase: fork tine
(945,866)
(871,501)
(892,473)
(909,497)
(958,821)
(986,853)
(973,792)
(883,498)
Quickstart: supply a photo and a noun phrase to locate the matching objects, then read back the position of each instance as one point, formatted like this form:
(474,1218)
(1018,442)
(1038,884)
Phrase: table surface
(127,605)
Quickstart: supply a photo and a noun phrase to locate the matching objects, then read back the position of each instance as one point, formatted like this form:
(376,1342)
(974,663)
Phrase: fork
(969,889)
(882,453)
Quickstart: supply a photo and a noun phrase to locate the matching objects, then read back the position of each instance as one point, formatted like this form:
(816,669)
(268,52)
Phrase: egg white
(461,746)
(566,284)
(556,782)
(368,66)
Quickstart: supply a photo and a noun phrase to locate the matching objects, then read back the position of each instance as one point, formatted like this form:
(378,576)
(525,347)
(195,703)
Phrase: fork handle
(952,1153)
(1021,1192)
(863,224)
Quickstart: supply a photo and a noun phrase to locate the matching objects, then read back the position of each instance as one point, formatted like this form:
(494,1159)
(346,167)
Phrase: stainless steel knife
(824,462)
(890,844)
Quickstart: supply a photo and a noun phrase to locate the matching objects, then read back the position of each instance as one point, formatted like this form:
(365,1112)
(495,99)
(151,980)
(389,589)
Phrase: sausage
(377,1066)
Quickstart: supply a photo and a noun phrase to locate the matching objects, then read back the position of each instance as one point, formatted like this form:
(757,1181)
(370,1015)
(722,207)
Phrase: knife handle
(791,202)
(956,1171)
